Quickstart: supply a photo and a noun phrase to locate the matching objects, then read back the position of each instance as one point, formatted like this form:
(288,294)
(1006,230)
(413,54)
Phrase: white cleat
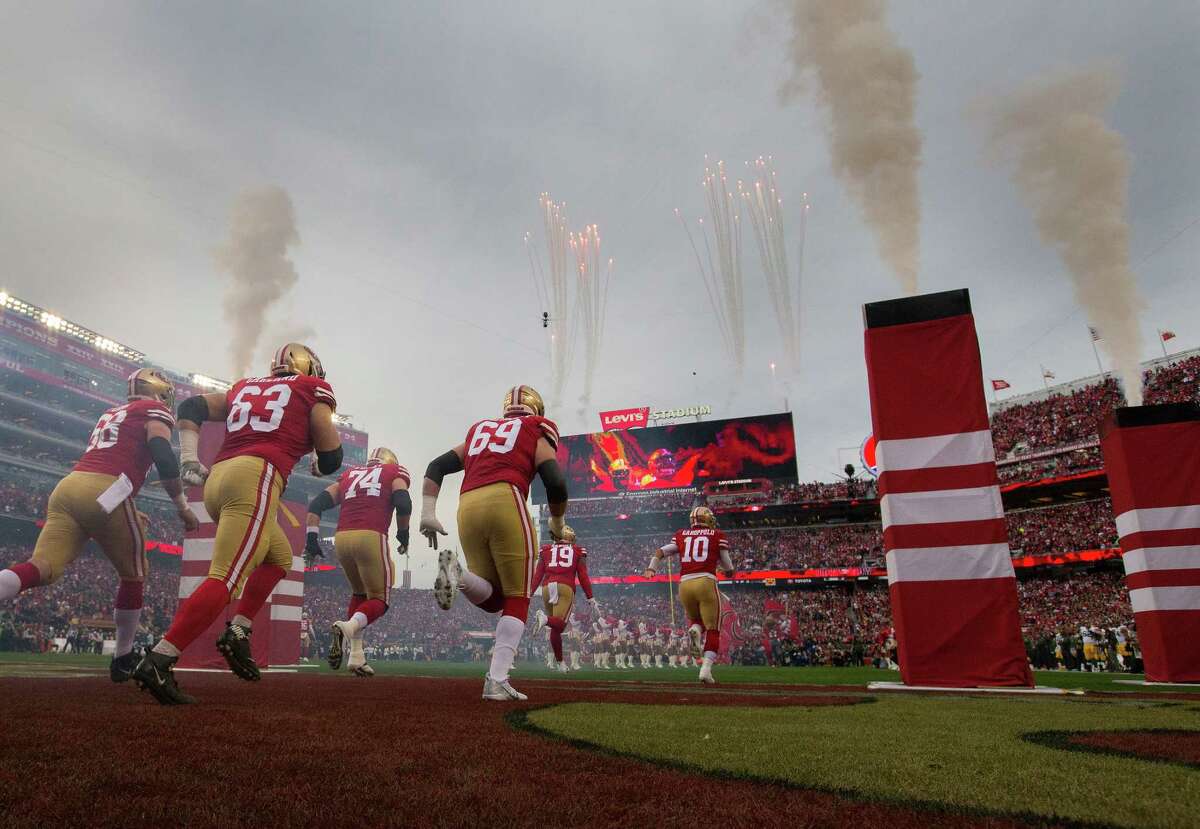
(501,691)
(706,676)
(695,635)
(542,618)
(340,635)
(445,586)
(563,669)
(363,670)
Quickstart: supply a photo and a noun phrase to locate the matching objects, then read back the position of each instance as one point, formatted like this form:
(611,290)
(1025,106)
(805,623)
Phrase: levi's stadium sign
(676,414)
(624,419)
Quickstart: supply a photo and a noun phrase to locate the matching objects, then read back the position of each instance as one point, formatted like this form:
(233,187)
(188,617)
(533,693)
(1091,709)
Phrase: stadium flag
(950,575)
(1152,456)
(1047,376)
(1165,334)
(1095,334)
(1000,385)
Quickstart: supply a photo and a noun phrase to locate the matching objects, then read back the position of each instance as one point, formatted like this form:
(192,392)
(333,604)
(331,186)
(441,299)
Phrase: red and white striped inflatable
(1152,455)
(952,583)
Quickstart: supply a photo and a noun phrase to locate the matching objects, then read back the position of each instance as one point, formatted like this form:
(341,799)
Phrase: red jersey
(699,550)
(503,451)
(118,443)
(365,493)
(563,563)
(268,418)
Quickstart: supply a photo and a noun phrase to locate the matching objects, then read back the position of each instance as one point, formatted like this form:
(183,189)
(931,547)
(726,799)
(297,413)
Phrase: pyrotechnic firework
(722,274)
(593,275)
(553,283)
(764,206)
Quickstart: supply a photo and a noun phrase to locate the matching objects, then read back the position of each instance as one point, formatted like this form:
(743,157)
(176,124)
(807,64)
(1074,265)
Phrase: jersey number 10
(695,548)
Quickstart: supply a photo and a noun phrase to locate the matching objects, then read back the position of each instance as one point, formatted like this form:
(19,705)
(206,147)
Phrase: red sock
(356,599)
(28,573)
(197,612)
(517,607)
(556,626)
(258,589)
(129,595)
(372,609)
(712,641)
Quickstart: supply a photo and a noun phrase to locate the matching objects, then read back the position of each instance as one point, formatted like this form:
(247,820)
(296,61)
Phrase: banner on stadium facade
(866,455)
(1152,455)
(950,575)
(624,419)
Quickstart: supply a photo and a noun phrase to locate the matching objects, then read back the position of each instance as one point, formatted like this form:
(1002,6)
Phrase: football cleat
(445,586)
(297,358)
(523,400)
(364,670)
(562,668)
(156,674)
(695,637)
(152,384)
(501,691)
(234,645)
(702,517)
(339,644)
(542,618)
(706,676)
(122,667)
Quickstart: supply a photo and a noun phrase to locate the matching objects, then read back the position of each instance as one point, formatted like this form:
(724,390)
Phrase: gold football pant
(700,601)
(366,561)
(498,538)
(73,516)
(558,599)
(242,497)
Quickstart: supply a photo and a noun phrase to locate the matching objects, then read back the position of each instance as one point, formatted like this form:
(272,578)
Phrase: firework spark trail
(553,284)
(1073,170)
(764,206)
(722,275)
(594,276)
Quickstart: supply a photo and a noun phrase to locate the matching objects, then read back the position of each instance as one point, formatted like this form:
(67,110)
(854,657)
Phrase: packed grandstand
(810,586)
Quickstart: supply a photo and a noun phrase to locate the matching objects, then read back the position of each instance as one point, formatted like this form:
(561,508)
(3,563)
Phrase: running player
(270,423)
(560,564)
(95,501)
(369,495)
(700,548)
(500,458)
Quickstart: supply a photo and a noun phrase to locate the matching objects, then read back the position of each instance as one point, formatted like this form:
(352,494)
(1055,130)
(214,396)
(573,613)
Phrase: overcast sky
(414,139)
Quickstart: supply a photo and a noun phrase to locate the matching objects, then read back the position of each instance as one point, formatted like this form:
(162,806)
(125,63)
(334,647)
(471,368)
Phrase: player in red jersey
(500,458)
(700,548)
(270,423)
(95,501)
(560,564)
(369,495)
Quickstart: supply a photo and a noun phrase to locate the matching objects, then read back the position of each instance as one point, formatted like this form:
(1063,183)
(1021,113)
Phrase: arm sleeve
(669,549)
(164,458)
(556,483)
(402,501)
(445,464)
(194,409)
(320,503)
(726,561)
(585,581)
(328,462)
(539,573)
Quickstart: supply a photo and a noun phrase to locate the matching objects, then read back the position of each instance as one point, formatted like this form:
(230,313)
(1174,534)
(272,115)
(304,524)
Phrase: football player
(700,548)
(560,564)
(95,501)
(369,495)
(270,423)
(499,458)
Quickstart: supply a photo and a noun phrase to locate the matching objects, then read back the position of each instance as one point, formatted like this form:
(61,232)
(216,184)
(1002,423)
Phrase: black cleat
(122,667)
(156,674)
(234,645)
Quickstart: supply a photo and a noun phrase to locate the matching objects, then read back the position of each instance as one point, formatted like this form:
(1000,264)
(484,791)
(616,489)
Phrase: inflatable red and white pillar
(950,574)
(1152,456)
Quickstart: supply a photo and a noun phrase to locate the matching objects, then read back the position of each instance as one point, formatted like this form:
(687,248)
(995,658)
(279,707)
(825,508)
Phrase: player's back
(562,562)
(504,451)
(118,446)
(269,418)
(366,496)
(699,551)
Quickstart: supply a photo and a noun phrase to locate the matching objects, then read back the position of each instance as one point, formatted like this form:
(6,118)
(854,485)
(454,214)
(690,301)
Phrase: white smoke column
(262,228)
(868,82)
(1073,170)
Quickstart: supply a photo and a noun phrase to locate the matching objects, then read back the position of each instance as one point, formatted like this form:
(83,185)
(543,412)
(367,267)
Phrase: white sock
(166,648)
(357,622)
(710,657)
(127,625)
(10,584)
(356,643)
(508,636)
(242,621)
(476,589)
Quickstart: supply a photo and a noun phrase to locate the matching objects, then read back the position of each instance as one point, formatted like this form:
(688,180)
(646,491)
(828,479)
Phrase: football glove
(312,549)
(402,537)
(431,528)
(190,522)
(193,473)
(595,605)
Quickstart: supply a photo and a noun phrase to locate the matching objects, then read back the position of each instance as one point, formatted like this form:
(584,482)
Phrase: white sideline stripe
(1186,557)
(201,513)
(297,563)
(959,449)
(288,588)
(1146,599)
(941,506)
(1152,519)
(969,561)
(285,613)
(198,549)
(188,585)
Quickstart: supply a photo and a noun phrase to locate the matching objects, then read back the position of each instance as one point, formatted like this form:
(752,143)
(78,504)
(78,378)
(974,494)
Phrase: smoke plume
(1073,170)
(262,228)
(868,82)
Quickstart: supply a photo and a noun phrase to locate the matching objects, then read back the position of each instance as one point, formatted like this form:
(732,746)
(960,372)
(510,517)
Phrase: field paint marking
(1040,689)
(1158,684)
